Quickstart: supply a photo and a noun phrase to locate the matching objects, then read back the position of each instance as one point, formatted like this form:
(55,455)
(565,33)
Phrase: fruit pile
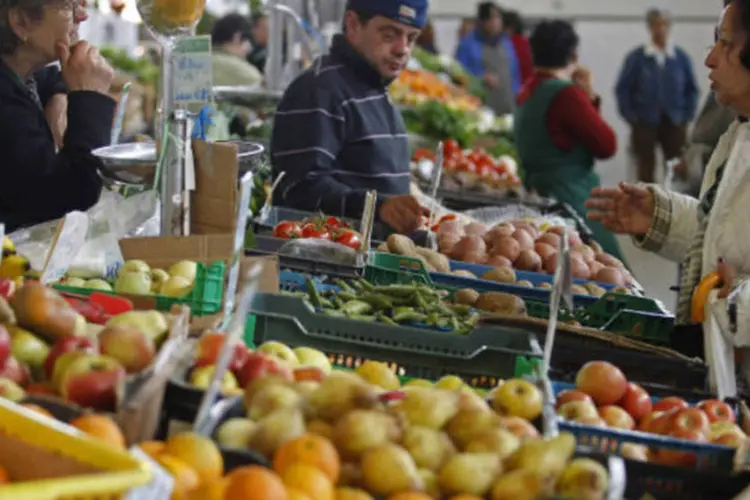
(13,268)
(603,397)
(45,348)
(326,228)
(473,170)
(137,278)
(417,86)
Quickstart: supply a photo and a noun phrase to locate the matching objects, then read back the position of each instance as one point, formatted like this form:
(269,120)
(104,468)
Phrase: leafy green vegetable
(435,120)
(144,70)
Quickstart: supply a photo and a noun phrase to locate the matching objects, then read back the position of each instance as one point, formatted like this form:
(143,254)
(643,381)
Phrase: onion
(552,239)
(579,268)
(609,261)
(544,250)
(498,260)
(586,252)
(524,239)
(611,275)
(473,245)
(529,260)
(475,229)
(508,247)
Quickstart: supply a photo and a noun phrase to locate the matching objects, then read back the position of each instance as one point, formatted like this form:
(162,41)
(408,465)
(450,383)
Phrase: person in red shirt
(558,130)
(513,25)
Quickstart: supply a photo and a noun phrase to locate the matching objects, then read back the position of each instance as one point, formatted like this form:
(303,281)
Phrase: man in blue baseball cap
(336,133)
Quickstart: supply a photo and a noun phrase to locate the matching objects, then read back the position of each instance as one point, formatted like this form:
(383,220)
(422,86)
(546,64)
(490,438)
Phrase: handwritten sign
(67,243)
(161,484)
(192,70)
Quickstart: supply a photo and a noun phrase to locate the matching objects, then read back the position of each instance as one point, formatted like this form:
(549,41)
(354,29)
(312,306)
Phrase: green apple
(201,379)
(74,282)
(185,269)
(27,348)
(134,282)
(176,286)
(236,433)
(158,278)
(137,266)
(11,391)
(152,323)
(98,284)
(279,351)
(307,356)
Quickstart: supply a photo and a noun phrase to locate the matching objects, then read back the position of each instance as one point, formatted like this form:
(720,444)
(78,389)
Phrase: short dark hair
(364,17)
(553,44)
(257,18)
(485,10)
(226,28)
(512,20)
(9,42)
(654,14)
(742,19)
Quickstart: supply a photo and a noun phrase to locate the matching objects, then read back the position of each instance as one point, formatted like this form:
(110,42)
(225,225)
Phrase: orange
(38,409)
(152,448)
(295,494)
(185,478)
(308,479)
(254,483)
(352,494)
(209,491)
(4,475)
(309,449)
(410,495)
(198,452)
(100,427)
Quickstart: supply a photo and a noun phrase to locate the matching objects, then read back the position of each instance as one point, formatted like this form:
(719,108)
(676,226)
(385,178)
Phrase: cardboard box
(214,203)
(163,251)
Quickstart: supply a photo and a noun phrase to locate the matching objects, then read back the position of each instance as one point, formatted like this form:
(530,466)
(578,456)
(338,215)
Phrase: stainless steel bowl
(132,163)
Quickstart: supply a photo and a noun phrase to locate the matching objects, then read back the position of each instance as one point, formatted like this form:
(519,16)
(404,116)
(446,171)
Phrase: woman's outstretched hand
(626,209)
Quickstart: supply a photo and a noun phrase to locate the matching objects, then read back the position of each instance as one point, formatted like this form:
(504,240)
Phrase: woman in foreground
(712,232)
(40,182)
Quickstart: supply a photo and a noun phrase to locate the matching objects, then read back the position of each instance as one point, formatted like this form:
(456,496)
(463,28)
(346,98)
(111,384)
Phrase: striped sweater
(337,135)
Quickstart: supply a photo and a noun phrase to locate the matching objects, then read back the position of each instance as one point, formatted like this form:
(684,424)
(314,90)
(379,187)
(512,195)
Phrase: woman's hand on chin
(83,68)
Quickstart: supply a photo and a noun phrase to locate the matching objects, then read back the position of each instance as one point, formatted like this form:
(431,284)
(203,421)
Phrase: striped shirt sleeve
(657,234)
(308,135)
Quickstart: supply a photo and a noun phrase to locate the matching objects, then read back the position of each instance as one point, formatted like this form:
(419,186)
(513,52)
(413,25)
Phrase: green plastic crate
(206,297)
(390,269)
(481,358)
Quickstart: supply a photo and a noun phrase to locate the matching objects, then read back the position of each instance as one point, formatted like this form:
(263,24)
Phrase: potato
(527,226)
(466,296)
(446,242)
(609,261)
(545,286)
(498,232)
(579,268)
(507,246)
(596,247)
(529,260)
(525,283)
(586,252)
(383,248)
(437,260)
(595,290)
(524,239)
(464,273)
(544,250)
(473,246)
(503,303)
(579,290)
(499,261)
(552,239)
(622,290)
(611,275)
(402,245)
(500,275)
(595,267)
(550,264)
(475,258)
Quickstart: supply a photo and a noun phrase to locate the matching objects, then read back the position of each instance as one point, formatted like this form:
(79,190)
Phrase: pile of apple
(47,350)
(603,397)
(137,278)
(443,440)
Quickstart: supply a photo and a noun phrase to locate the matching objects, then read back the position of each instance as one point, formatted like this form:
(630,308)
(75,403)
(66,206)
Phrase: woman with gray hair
(38,182)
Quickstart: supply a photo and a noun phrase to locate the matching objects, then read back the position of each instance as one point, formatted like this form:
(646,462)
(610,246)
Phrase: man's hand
(402,213)
(56,112)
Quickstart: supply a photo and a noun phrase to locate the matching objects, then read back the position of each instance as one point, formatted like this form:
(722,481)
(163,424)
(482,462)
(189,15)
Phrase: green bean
(432,319)
(366,285)
(462,309)
(313,292)
(378,301)
(363,317)
(343,285)
(397,290)
(334,313)
(337,302)
(402,310)
(384,318)
(453,323)
(410,317)
(347,296)
(356,307)
(326,303)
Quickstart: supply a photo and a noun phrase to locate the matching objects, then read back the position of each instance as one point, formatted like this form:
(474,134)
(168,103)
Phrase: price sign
(161,485)
(67,242)
(192,70)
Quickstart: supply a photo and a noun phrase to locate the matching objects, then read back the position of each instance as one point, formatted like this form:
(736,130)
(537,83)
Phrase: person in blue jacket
(489,54)
(657,95)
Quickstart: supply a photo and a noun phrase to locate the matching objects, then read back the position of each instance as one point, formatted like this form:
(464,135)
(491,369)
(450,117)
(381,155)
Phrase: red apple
(93,382)
(4,345)
(571,395)
(603,381)
(717,411)
(666,404)
(690,419)
(260,365)
(16,371)
(636,401)
(519,427)
(209,349)
(134,350)
(616,417)
(62,346)
(7,288)
(680,458)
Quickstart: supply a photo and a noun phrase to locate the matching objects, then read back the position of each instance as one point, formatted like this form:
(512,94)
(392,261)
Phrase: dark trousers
(645,137)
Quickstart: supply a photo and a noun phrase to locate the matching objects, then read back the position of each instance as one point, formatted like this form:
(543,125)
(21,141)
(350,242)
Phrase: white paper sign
(161,485)
(192,70)
(67,243)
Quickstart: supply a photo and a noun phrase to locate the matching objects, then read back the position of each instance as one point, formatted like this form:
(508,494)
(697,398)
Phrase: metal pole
(274,63)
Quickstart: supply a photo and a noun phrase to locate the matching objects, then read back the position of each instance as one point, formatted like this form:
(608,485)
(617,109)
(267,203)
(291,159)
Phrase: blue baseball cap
(409,12)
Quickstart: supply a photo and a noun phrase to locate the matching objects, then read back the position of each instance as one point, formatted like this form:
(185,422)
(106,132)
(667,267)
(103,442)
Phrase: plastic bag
(323,251)
(491,216)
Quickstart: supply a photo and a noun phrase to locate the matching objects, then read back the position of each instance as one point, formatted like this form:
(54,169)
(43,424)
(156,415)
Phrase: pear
(430,482)
(583,479)
(547,456)
(275,429)
(176,286)
(135,265)
(259,384)
(360,430)
(27,348)
(499,441)
(152,323)
(271,398)
(389,469)
(235,433)
(521,484)
(380,374)
(467,423)
(158,278)
(133,282)
(469,473)
(184,269)
(429,448)
(339,393)
(428,407)
(11,391)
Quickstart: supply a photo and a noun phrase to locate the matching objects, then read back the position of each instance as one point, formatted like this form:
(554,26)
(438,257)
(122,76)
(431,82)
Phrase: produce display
(46,348)
(470,170)
(414,87)
(321,227)
(137,278)
(364,434)
(447,65)
(603,397)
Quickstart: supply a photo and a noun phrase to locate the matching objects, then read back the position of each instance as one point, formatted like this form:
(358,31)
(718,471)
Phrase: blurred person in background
(488,53)
(230,40)
(42,180)
(515,29)
(259,38)
(558,130)
(426,40)
(466,28)
(657,95)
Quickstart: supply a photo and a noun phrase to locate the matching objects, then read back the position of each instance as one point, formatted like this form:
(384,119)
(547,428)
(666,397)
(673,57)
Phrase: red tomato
(349,239)
(287,230)
(315,231)
(335,223)
(467,166)
(450,148)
